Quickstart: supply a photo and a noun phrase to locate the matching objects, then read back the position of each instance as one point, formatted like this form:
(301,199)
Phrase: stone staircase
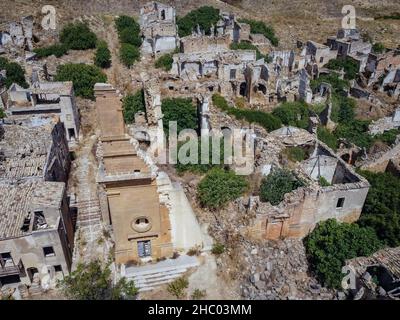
(149,277)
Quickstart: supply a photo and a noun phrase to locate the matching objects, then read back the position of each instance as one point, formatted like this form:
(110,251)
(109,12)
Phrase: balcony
(8,268)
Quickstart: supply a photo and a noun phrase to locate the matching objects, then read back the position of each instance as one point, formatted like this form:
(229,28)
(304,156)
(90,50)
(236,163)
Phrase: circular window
(141,224)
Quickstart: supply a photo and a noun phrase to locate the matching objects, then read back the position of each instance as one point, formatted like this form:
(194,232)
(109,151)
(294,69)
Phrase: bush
(83,77)
(90,281)
(261,27)
(180,110)
(264,119)
(78,36)
(349,65)
(102,56)
(323,182)
(219,187)
(164,62)
(381,210)
(389,137)
(378,47)
(218,248)
(293,114)
(132,104)
(57,49)
(327,137)
(332,243)
(177,287)
(204,16)
(125,22)
(338,85)
(2,116)
(129,36)
(356,132)
(278,183)
(129,54)
(198,294)
(14,73)
(296,154)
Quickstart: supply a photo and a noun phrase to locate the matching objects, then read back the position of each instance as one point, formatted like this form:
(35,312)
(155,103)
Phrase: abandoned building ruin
(17,35)
(36,236)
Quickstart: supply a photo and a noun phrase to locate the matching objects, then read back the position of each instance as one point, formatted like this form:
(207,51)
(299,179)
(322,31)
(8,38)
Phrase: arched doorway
(243,89)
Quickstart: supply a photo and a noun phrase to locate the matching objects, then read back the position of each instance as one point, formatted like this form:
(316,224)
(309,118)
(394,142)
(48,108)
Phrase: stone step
(150,277)
(157,280)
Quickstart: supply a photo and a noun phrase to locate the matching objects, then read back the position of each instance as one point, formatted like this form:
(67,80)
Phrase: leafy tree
(180,110)
(132,104)
(327,137)
(127,35)
(83,76)
(219,187)
(102,56)
(14,73)
(381,210)
(293,113)
(205,17)
(338,85)
(57,49)
(378,47)
(78,36)
(261,27)
(278,183)
(331,243)
(296,154)
(164,62)
(125,22)
(129,54)
(90,281)
(349,65)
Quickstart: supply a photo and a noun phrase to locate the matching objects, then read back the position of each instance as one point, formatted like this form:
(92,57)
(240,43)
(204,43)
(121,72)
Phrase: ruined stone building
(342,198)
(36,231)
(140,221)
(18,35)
(158,28)
(47,98)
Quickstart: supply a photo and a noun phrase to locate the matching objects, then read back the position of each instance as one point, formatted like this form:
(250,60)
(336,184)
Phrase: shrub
(177,287)
(349,65)
(15,73)
(57,49)
(331,243)
(381,210)
(293,114)
(78,36)
(90,281)
(2,116)
(125,22)
(338,85)
(164,62)
(327,137)
(219,187)
(220,102)
(83,77)
(261,27)
(278,183)
(205,17)
(356,132)
(102,56)
(180,110)
(129,54)
(218,248)
(129,36)
(132,104)
(296,154)
(389,137)
(323,182)
(198,294)
(378,47)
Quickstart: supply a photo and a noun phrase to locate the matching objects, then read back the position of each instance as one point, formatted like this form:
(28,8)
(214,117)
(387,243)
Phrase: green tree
(278,183)
(102,56)
(180,110)
(83,76)
(381,210)
(164,62)
(57,49)
(132,104)
(78,36)
(355,131)
(219,187)
(14,73)
(378,47)
(261,27)
(331,243)
(129,54)
(205,17)
(125,22)
(293,114)
(90,281)
(127,35)
(349,65)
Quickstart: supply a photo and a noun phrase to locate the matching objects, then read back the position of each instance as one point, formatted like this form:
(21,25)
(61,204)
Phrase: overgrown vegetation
(378,47)
(338,85)
(323,182)
(129,36)
(296,154)
(92,281)
(278,183)
(264,119)
(219,187)
(293,114)
(327,137)
(177,287)
(349,65)
(164,62)
(180,110)
(381,210)
(261,27)
(132,104)
(198,294)
(83,76)
(387,137)
(205,17)
(331,243)
(57,49)
(218,248)
(102,57)
(14,73)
